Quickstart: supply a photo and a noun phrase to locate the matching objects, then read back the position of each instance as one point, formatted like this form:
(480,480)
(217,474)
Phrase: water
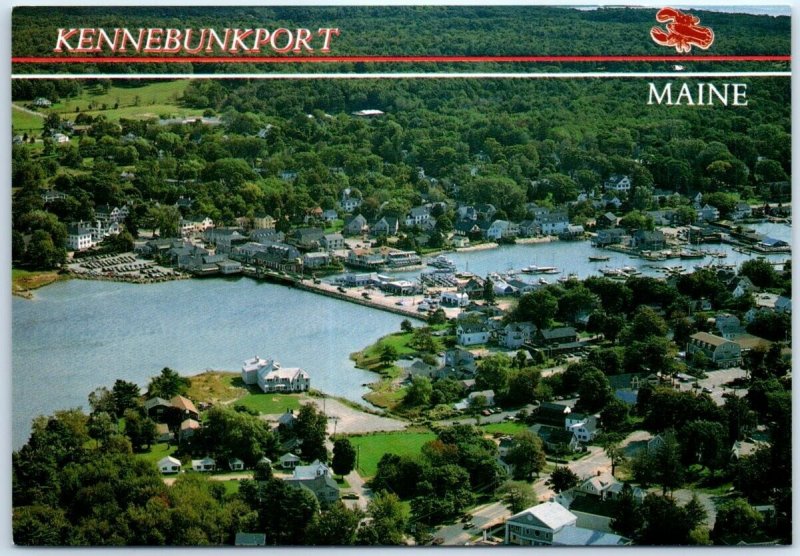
(78,335)
(572,257)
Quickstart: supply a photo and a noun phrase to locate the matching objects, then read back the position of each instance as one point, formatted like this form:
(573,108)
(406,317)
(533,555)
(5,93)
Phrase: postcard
(401,275)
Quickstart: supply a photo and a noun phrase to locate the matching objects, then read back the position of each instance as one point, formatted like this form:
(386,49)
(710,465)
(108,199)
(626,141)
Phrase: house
(235,464)
(348,201)
(169,464)
(287,419)
(60,138)
(520,287)
(572,232)
(418,216)
(708,213)
(42,102)
(611,236)
(263,221)
(307,239)
(163,434)
(369,112)
(562,335)
(185,406)
(332,242)
(469,334)
(204,465)
(187,429)
(727,325)
(741,285)
(156,407)
(618,184)
(551,414)
(502,229)
(722,352)
(460,360)
(606,221)
(323,487)
(553,223)
(357,225)
(279,379)
(607,487)
(645,239)
(516,333)
(556,439)
(224,238)
(316,260)
(288,461)
(386,226)
(250,369)
(250,539)
(79,237)
(584,427)
(474,288)
(264,131)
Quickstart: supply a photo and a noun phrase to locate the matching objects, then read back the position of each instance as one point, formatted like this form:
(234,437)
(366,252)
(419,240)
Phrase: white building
(79,237)
(169,465)
(271,377)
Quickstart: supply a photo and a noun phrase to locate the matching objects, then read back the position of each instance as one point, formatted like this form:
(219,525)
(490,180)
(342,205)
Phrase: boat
(599,258)
(612,272)
(630,271)
(440,261)
(688,254)
(533,269)
(571,276)
(543,282)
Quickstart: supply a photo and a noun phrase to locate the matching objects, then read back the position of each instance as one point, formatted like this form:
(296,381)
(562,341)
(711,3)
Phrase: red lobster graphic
(682,32)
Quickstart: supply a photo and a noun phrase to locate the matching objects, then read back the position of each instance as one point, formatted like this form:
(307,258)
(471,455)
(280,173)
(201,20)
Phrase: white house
(618,184)
(708,213)
(551,524)
(720,351)
(278,379)
(169,465)
(584,427)
(469,334)
(288,461)
(500,229)
(79,237)
(418,216)
(205,464)
(235,464)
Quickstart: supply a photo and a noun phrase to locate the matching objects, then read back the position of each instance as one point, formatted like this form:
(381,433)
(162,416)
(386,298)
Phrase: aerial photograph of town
(273,310)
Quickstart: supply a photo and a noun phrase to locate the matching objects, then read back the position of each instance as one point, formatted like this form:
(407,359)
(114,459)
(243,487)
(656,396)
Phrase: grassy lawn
(370,448)
(157,451)
(341,481)
(511,428)
(271,403)
(216,386)
(23,281)
(231,486)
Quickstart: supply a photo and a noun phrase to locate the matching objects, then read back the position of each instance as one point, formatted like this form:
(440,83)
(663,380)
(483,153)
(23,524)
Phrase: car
(350,496)
(468,525)
(707,390)
(486,412)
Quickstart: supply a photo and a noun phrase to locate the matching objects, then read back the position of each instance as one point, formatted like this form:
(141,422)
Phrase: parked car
(350,496)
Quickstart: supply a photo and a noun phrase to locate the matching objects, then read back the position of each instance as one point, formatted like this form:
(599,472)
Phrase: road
(28,110)
(482,517)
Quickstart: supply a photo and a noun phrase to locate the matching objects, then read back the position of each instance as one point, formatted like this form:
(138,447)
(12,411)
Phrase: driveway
(357,487)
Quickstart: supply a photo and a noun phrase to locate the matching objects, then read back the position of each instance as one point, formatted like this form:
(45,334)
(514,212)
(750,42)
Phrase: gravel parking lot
(716,381)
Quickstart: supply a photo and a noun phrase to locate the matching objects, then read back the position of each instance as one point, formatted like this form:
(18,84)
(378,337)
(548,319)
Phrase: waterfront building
(271,377)
(469,333)
(357,225)
(618,184)
(79,237)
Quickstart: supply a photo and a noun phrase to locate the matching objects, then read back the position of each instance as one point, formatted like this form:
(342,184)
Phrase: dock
(307,284)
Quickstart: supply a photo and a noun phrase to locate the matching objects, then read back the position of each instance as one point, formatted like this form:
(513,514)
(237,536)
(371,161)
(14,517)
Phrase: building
(169,465)
(584,427)
(204,465)
(356,226)
(469,334)
(618,184)
(317,478)
(551,524)
(79,237)
(610,236)
(708,213)
(332,242)
(722,352)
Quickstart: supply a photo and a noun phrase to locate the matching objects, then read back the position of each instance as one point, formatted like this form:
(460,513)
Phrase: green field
(505,428)
(22,121)
(270,403)
(370,448)
(150,100)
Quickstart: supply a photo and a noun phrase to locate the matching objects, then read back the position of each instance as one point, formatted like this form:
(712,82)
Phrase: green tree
(493,372)
(43,253)
(388,354)
(337,526)
(344,456)
(562,478)
(527,455)
(168,385)
(419,393)
(594,391)
(626,519)
(517,495)
(406,326)
(737,521)
(761,272)
(389,519)
(228,433)
(126,395)
(538,307)
(139,429)
(310,426)
(488,292)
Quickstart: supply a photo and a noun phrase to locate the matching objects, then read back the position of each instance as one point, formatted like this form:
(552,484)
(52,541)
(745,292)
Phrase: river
(78,335)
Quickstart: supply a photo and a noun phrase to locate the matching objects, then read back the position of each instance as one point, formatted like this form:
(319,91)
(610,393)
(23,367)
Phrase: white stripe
(407,75)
